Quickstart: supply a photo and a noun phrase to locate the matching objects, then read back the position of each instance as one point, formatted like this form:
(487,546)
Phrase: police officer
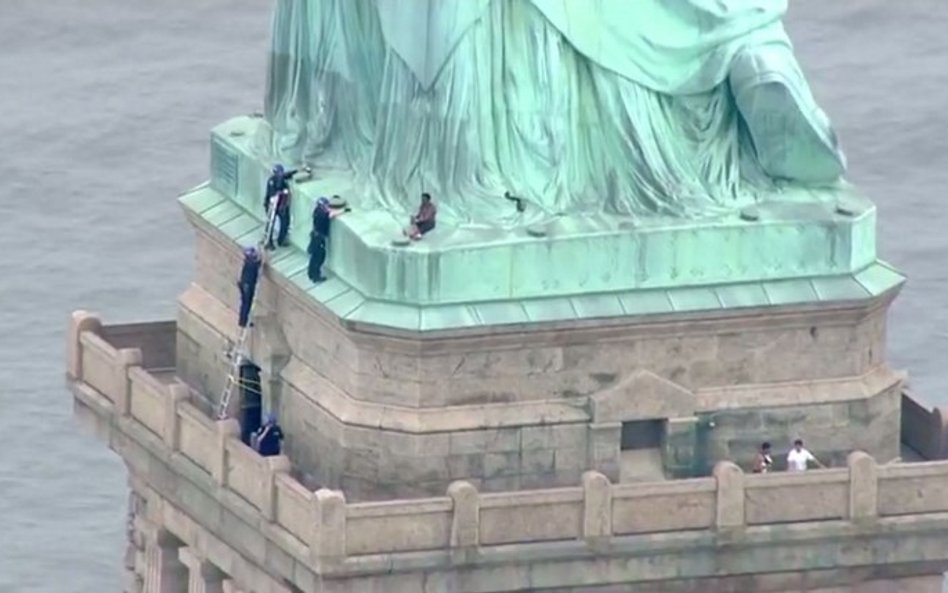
(278,188)
(322,215)
(317,256)
(281,203)
(279,181)
(247,283)
(319,238)
(268,439)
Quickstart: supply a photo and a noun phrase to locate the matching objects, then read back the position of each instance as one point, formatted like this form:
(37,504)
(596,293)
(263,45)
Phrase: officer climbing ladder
(276,202)
(253,260)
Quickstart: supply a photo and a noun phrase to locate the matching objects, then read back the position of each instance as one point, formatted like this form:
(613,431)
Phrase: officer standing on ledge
(279,181)
(319,237)
(317,256)
(278,187)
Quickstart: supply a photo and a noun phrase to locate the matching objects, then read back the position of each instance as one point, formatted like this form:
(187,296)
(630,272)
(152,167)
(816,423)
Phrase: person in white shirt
(798,459)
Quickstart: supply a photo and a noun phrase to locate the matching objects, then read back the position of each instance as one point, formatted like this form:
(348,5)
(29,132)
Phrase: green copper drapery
(574,105)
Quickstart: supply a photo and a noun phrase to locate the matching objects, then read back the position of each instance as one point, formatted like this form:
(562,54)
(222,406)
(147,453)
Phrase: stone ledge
(796,233)
(214,214)
(284,279)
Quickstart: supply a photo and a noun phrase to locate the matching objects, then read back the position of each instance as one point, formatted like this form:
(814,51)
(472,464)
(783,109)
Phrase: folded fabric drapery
(633,107)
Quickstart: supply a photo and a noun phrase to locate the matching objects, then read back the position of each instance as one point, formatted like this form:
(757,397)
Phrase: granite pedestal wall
(384,413)
(210,511)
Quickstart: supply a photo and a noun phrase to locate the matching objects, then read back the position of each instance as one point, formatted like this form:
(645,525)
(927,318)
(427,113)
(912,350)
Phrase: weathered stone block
(501,484)
(569,460)
(357,437)
(483,363)
(740,420)
(314,418)
(494,440)
(789,417)
(468,442)
(423,469)
(604,442)
(598,357)
(554,436)
(501,464)
(465,466)
(387,390)
(536,461)
(547,480)
(362,462)
(679,446)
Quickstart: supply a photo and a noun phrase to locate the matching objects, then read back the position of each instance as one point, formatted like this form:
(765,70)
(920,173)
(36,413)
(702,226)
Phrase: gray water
(105,110)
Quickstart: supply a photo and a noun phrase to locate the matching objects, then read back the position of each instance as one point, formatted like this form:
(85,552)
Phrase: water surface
(105,110)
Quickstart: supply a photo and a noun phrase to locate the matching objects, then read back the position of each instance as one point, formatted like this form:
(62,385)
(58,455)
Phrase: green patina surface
(675,108)
(346,299)
(678,163)
(796,233)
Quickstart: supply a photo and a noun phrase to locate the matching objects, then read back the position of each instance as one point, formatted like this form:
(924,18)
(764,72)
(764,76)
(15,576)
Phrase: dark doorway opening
(641,434)
(251,404)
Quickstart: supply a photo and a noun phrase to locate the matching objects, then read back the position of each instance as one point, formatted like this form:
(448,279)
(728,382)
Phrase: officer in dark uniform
(247,283)
(278,187)
(317,256)
(279,180)
(322,216)
(319,238)
(269,438)
(282,220)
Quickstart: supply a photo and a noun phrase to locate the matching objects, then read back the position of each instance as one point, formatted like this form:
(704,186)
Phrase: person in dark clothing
(424,220)
(319,238)
(279,180)
(763,461)
(322,216)
(317,256)
(247,283)
(269,438)
(251,394)
(282,220)
(278,185)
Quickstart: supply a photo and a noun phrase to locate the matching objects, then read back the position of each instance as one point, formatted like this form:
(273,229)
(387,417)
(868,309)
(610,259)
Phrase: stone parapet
(381,449)
(339,537)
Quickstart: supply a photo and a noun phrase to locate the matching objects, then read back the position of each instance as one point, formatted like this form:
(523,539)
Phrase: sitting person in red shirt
(424,220)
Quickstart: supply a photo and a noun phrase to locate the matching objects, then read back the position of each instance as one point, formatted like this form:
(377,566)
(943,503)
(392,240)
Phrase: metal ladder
(238,352)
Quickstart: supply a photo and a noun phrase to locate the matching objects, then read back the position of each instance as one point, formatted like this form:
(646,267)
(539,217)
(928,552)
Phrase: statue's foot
(792,136)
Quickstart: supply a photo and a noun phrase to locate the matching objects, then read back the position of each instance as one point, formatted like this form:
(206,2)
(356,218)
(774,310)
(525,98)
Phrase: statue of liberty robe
(633,107)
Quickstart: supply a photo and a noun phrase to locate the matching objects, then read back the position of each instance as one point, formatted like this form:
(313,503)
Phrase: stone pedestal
(380,412)
(397,378)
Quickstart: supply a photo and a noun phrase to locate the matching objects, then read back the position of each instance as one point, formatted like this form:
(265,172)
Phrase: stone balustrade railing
(466,520)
